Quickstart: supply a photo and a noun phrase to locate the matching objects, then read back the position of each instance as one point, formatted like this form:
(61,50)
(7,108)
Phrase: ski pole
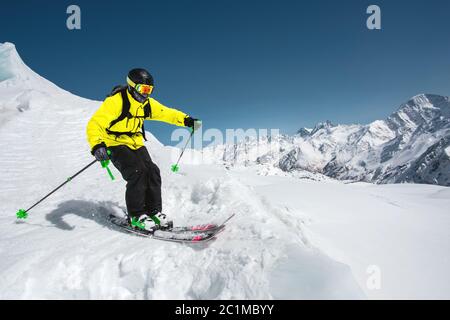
(175,167)
(23,214)
(105,164)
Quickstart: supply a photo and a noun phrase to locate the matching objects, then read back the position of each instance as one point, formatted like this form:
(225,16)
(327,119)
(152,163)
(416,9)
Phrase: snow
(384,151)
(305,236)
(447,151)
(384,225)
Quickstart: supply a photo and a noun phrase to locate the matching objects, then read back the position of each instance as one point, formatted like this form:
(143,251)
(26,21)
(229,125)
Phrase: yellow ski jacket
(111,109)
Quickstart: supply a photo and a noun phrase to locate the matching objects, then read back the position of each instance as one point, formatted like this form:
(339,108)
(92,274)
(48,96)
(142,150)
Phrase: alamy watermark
(374,20)
(374,279)
(73,21)
(231,145)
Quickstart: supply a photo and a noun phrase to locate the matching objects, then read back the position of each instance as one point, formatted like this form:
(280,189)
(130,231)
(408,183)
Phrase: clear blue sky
(243,64)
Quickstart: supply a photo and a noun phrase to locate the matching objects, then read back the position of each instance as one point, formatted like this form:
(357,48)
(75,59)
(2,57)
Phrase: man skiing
(116,132)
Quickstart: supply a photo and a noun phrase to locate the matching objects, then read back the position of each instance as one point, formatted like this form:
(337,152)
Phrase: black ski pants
(143,194)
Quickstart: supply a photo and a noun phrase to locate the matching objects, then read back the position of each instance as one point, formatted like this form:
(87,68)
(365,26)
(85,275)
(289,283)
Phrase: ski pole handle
(105,164)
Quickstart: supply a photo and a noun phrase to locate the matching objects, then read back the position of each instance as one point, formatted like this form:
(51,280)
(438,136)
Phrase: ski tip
(229,218)
(203,227)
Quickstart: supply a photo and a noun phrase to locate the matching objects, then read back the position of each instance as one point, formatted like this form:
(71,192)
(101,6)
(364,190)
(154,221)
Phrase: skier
(116,132)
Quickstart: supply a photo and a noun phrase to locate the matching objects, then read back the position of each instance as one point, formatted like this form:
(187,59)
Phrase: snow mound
(14,72)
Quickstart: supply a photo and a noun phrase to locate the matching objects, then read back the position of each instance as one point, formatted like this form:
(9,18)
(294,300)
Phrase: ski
(202,227)
(190,234)
(192,228)
(187,237)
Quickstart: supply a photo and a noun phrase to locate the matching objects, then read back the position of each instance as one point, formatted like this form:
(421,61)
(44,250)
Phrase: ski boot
(151,223)
(161,220)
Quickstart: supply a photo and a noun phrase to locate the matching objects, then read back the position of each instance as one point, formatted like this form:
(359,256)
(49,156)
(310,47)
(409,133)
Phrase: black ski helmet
(139,76)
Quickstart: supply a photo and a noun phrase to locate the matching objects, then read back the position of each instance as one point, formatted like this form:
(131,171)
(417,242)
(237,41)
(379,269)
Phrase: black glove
(192,123)
(100,153)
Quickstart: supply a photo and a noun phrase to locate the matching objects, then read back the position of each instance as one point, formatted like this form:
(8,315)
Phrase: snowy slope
(285,241)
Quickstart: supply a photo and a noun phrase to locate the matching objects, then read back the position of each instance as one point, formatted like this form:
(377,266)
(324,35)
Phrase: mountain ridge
(383,151)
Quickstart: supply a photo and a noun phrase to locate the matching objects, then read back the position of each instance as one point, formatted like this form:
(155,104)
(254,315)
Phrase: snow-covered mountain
(411,145)
(284,242)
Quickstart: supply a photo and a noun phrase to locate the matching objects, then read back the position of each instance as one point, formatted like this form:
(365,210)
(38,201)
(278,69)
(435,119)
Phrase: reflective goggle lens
(144,89)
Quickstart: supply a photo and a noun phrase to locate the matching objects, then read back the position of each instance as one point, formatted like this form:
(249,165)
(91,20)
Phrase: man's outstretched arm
(160,112)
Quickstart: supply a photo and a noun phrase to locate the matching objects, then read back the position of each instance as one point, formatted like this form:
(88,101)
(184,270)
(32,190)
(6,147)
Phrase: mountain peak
(304,132)
(14,72)
(426,100)
(11,65)
(422,109)
(322,125)
(427,96)
(8,46)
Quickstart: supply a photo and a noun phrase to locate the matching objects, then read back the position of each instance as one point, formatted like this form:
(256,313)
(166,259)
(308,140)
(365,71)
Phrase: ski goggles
(143,89)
